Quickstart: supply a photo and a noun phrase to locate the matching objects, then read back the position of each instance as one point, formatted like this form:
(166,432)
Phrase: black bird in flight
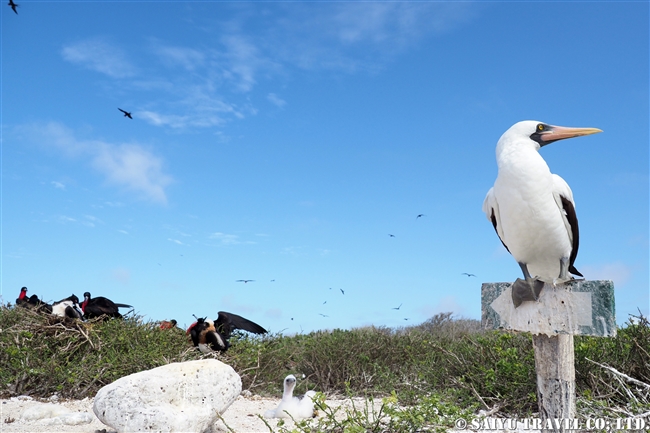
(392,236)
(420,215)
(397,308)
(324,315)
(126,113)
(469,275)
(244,281)
(13,6)
(342,291)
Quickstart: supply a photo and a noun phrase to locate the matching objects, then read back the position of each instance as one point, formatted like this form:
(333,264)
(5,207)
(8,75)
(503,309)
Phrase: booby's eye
(541,127)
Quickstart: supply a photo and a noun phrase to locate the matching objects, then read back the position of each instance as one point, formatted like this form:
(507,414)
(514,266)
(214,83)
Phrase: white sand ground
(241,416)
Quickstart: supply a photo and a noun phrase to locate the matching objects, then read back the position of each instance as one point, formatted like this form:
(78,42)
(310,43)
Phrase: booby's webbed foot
(526,290)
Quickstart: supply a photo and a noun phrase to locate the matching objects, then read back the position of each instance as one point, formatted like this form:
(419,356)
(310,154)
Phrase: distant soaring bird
(392,236)
(397,308)
(244,281)
(126,113)
(215,334)
(469,275)
(13,6)
(342,291)
(532,210)
(420,216)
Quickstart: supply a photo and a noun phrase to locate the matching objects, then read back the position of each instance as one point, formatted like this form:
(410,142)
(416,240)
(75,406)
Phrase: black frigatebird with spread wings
(126,113)
(13,6)
(214,334)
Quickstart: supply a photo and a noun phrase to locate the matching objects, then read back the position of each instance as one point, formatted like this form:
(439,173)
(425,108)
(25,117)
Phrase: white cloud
(66,219)
(276,100)
(176,241)
(100,56)
(89,221)
(445,305)
(226,239)
(58,185)
(130,166)
(187,58)
(242,61)
(124,232)
(617,271)
(133,167)
(121,275)
(273,313)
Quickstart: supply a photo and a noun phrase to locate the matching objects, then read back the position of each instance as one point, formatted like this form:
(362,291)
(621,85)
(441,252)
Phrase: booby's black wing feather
(494,223)
(228,322)
(572,218)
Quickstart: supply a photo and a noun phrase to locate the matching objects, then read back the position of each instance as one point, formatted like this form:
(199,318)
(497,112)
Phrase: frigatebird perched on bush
(100,306)
(32,302)
(214,334)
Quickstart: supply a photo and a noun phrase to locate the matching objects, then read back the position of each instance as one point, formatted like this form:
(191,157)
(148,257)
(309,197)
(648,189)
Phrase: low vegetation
(444,367)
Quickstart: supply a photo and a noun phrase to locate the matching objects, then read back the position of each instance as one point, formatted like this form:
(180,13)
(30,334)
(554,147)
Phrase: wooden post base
(556,382)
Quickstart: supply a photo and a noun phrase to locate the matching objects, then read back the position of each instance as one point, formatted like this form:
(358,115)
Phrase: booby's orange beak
(555,133)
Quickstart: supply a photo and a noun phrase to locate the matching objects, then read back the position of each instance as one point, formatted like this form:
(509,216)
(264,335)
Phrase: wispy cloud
(65,219)
(184,57)
(617,271)
(99,55)
(90,221)
(58,185)
(276,100)
(226,239)
(208,85)
(445,305)
(121,275)
(176,241)
(129,166)
(133,167)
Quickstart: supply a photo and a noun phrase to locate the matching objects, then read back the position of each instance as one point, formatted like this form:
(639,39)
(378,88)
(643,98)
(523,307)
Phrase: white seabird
(294,407)
(532,209)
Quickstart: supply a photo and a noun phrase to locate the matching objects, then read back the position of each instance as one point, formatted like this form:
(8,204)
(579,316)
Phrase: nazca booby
(294,407)
(532,209)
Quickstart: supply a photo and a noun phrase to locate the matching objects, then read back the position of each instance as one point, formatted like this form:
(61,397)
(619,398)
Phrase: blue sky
(284,141)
